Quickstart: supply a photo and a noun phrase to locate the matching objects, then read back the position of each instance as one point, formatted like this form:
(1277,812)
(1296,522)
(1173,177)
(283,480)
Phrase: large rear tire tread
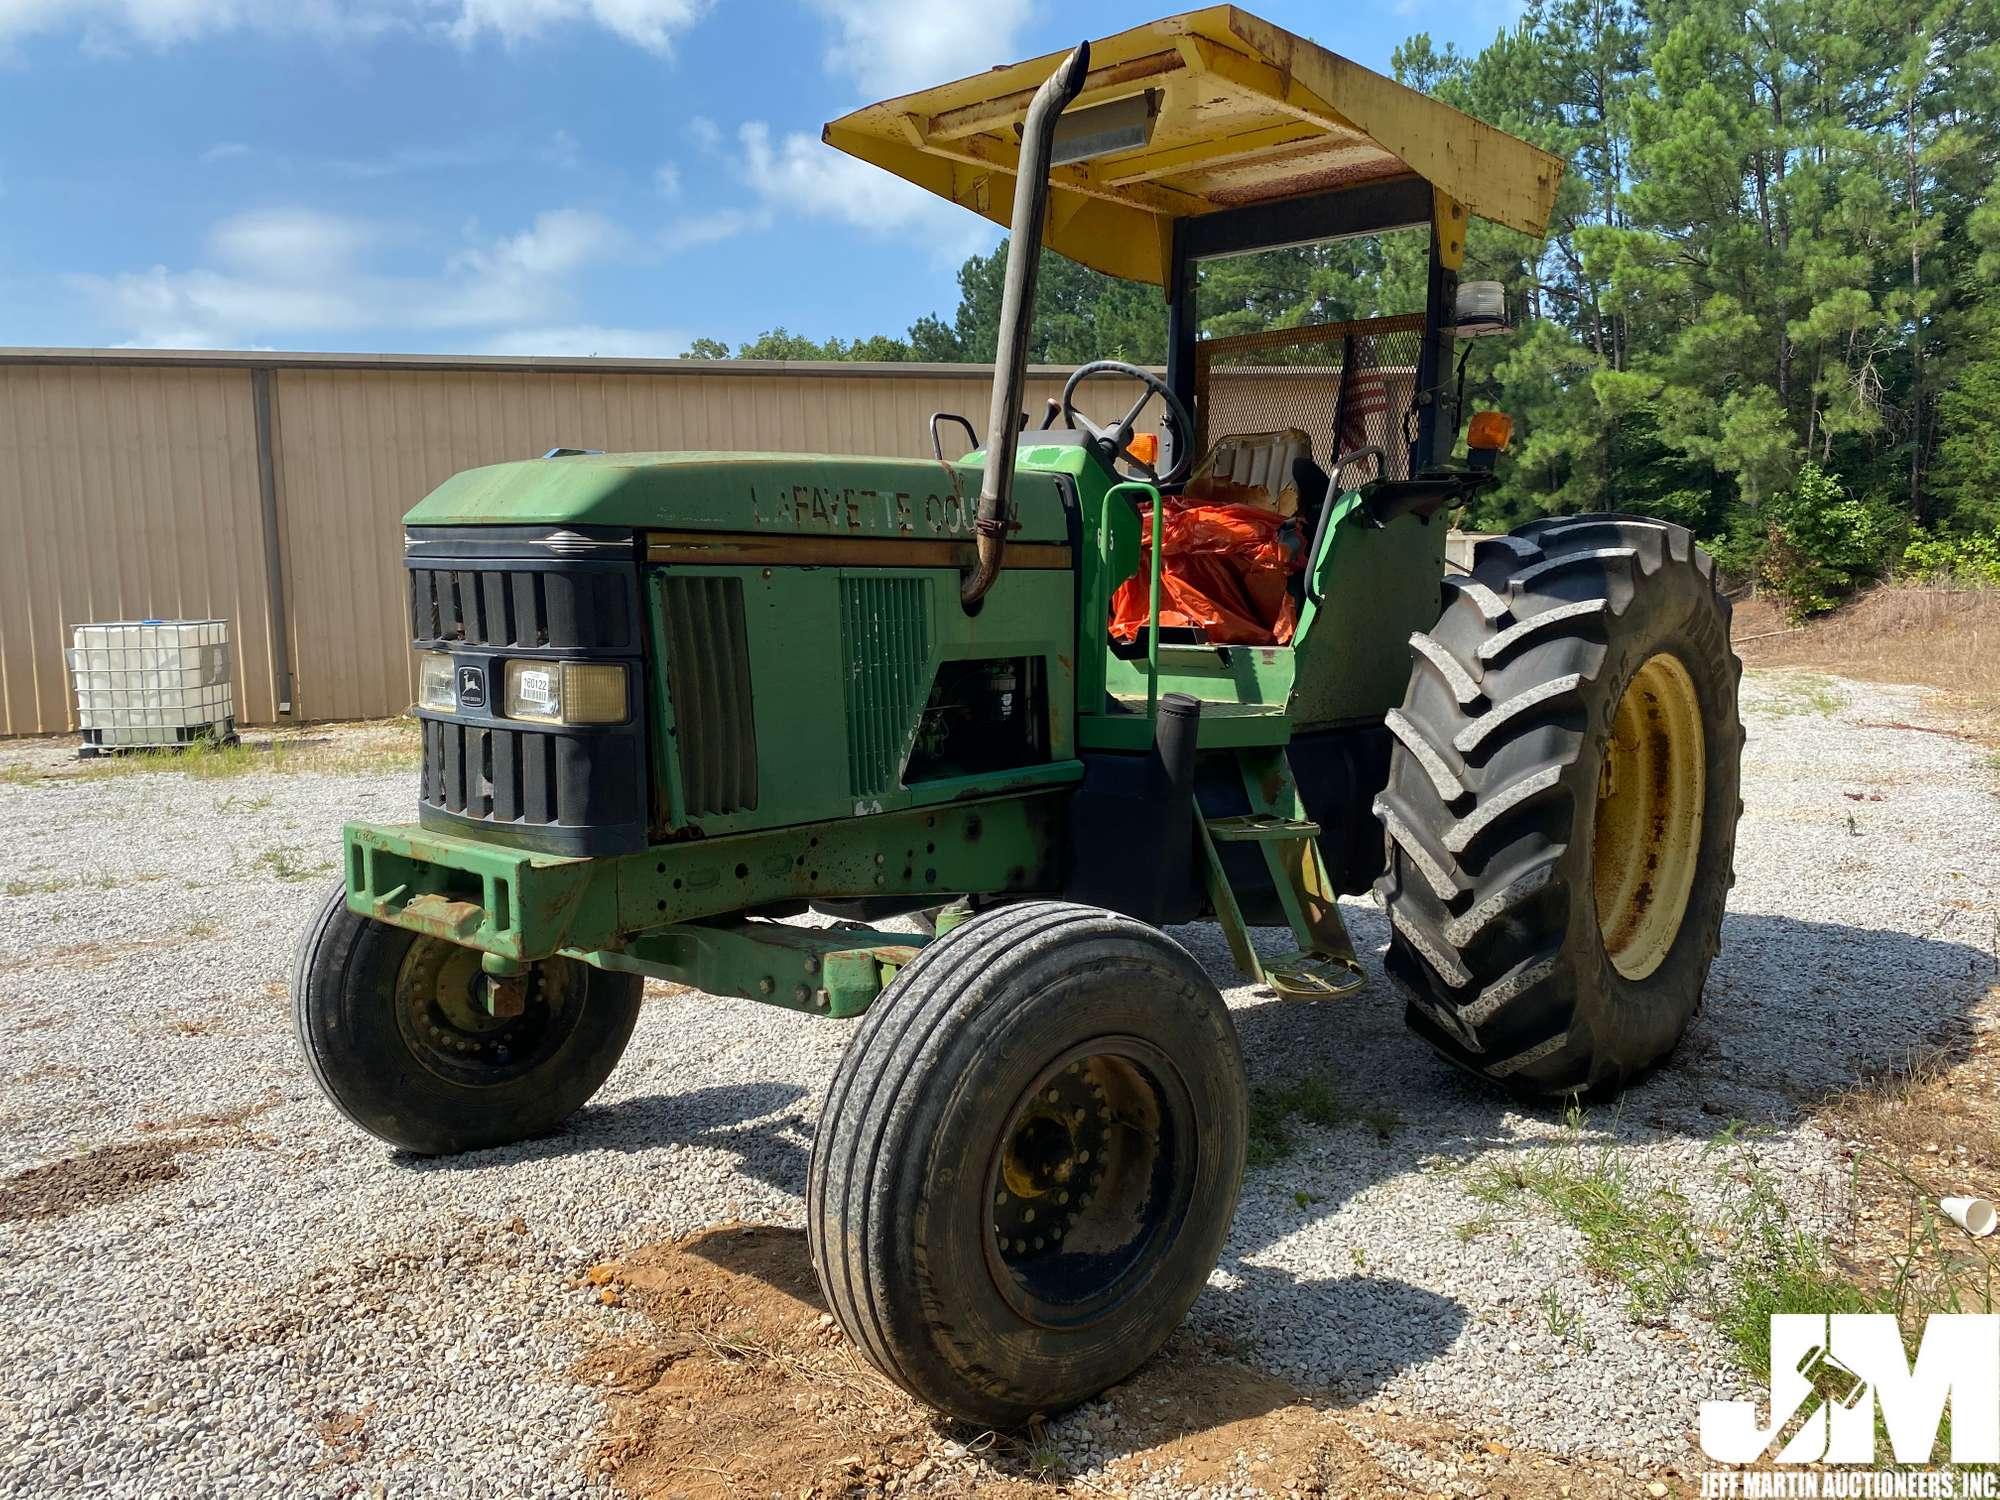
(1489,811)
(915,1080)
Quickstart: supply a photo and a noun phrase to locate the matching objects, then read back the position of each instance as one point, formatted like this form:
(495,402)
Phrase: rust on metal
(734,549)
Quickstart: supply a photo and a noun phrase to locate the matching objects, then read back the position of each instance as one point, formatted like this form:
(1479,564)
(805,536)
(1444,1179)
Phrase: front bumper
(520,905)
(511,903)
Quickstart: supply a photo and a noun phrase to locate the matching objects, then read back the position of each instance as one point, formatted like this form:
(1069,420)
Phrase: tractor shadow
(1794,1012)
(760,1124)
(1197,1403)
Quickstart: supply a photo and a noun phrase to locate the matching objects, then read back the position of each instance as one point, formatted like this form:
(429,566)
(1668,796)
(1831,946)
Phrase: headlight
(566,692)
(434,683)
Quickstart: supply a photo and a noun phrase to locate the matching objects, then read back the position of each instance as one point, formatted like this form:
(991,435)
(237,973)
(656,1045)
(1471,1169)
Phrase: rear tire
(1562,804)
(1028,1161)
(392,1031)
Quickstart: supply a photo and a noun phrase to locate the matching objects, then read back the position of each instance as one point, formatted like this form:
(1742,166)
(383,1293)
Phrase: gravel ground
(253,1281)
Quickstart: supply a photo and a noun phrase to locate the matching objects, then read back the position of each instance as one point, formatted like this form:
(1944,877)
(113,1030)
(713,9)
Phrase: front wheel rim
(1091,1182)
(447,1025)
(1646,843)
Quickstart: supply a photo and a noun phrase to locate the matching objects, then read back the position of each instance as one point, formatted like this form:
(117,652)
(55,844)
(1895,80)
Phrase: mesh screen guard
(1294,377)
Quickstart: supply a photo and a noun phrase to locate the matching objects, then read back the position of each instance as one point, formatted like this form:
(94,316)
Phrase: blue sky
(503,176)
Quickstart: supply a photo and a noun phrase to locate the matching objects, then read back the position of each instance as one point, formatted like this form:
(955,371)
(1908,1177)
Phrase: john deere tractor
(706,717)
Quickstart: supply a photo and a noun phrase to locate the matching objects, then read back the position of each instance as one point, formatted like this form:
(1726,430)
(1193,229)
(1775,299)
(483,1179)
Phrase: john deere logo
(471,688)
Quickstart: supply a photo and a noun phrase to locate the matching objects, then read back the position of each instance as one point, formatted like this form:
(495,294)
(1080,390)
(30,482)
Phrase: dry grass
(1917,1133)
(1944,639)
(362,748)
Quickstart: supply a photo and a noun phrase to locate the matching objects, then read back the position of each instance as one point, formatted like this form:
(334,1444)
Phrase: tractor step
(1323,967)
(1313,976)
(1253,827)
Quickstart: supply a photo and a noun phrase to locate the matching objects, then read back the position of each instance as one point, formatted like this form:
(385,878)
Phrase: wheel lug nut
(1000,1199)
(1027,1216)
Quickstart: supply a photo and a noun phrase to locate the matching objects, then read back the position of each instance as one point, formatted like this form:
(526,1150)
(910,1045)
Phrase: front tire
(396,1034)
(1562,804)
(1028,1162)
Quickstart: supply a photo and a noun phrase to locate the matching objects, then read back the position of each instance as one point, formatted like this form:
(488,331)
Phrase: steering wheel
(1113,444)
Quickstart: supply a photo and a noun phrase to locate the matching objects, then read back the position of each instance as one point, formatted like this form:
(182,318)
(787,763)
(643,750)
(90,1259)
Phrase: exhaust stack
(1017,315)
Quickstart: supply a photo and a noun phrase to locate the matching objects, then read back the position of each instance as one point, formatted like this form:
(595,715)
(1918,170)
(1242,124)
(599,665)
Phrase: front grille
(489,595)
(483,772)
(708,678)
(520,607)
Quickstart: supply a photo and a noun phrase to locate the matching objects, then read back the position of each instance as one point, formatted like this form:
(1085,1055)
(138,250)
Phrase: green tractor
(670,700)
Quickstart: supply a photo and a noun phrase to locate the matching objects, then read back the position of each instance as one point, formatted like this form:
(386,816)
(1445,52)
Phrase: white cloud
(290,245)
(889,47)
(798,173)
(223,151)
(107,25)
(692,231)
(292,273)
(588,339)
(412,160)
(563,151)
(558,241)
(667,178)
(705,133)
(205,309)
(652,24)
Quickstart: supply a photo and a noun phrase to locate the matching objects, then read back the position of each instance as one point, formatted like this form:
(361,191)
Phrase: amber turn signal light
(1145,447)
(1489,429)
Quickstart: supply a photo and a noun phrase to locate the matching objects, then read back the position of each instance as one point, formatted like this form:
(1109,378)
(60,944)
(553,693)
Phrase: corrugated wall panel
(359,447)
(126,493)
(132,490)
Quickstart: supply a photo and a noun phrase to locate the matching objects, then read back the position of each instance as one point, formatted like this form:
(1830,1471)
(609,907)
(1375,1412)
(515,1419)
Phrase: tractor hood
(736,492)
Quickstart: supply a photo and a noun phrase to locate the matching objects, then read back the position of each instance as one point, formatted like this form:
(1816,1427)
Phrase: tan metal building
(267,489)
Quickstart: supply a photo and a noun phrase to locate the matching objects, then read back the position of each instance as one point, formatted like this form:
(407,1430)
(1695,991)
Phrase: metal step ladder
(1323,967)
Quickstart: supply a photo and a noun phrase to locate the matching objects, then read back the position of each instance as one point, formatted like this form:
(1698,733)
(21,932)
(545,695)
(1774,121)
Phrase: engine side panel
(792,694)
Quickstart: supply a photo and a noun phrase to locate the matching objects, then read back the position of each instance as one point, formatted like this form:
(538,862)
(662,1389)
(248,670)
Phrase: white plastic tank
(148,683)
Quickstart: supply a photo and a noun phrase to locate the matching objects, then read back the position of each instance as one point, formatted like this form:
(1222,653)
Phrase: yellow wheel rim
(1648,832)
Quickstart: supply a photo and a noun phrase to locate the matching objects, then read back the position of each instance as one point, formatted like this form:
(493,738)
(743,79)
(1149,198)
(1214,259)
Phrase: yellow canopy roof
(1248,114)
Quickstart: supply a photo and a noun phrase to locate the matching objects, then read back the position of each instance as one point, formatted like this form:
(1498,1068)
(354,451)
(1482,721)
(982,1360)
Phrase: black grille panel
(708,677)
(479,771)
(522,607)
(488,595)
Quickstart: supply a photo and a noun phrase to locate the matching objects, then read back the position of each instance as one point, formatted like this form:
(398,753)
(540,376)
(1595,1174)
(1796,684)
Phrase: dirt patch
(1944,639)
(221,1119)
(88,955)
(345,1433)
(107,1174)
(741,1385)
(123,1169)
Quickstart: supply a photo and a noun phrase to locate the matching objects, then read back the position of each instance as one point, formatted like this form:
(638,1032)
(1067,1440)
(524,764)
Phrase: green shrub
(1965,559)
(1820,542)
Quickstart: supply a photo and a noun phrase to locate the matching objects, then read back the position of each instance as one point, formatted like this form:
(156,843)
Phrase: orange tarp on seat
(1223,575)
